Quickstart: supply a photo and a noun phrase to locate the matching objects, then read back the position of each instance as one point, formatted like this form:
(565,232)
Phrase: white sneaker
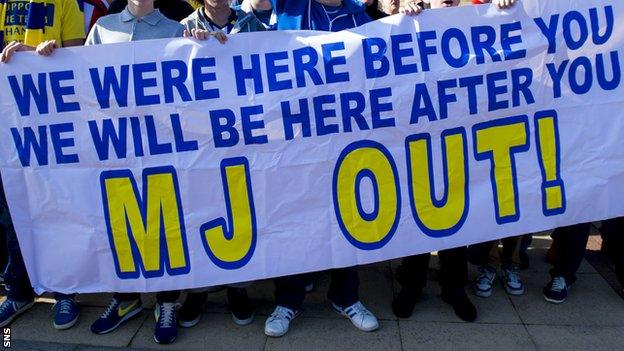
(278,322)
(483,284)
(362,318)
(513,283)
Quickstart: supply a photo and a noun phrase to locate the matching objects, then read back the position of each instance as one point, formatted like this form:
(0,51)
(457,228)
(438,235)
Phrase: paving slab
(335,334)
(591,302)
(41,346)
(36,325)
(464,336)
(586,337)
(215,331)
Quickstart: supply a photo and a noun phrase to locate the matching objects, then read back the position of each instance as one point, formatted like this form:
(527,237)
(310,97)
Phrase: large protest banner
(172,164)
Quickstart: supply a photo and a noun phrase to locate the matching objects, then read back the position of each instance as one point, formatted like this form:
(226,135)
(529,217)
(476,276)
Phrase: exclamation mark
(549,156)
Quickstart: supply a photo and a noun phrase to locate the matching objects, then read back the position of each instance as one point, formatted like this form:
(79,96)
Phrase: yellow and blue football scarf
(35,24)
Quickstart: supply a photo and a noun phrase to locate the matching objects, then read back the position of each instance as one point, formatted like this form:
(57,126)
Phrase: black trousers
(613,235)
(343,288)
(412,274)
(481,252)
(572,243)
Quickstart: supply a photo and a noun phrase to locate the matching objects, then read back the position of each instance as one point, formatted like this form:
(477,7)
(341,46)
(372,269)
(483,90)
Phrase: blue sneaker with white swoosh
(115,314)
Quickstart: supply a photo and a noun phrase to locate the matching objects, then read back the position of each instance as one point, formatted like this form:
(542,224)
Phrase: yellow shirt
(34,21)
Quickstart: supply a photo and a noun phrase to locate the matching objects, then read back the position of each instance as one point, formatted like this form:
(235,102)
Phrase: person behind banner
(263,10)
(26,26)
(175,10)
(216,17)
(40,23)
(412,274)
(378,9)
(138,21)
(333,16)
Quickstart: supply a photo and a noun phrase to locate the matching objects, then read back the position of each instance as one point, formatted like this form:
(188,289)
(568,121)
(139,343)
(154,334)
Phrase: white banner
(172,164)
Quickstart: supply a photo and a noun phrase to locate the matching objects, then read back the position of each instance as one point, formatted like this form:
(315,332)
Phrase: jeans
(343,289)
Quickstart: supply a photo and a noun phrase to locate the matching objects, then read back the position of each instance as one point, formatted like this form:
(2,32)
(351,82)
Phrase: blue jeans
(16,276)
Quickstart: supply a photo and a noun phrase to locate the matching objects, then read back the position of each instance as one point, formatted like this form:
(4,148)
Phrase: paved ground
(591,319)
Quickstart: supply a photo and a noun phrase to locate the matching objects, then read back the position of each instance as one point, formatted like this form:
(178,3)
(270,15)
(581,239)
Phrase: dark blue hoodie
(309,14)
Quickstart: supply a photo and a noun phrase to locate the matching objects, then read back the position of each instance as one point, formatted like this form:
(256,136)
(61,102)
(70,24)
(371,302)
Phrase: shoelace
(558,284)
(485,274)
(512,276)
(166,315)
(281,313)
(112,307)
(64,306)
(359,309)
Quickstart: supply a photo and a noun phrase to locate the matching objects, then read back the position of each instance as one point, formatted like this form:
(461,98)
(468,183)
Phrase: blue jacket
(308,14)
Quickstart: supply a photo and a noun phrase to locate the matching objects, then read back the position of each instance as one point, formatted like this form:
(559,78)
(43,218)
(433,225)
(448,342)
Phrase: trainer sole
(557,302)
(243,322)
(66,325)
(189,324)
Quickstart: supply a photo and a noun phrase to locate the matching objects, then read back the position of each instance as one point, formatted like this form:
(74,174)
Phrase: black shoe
(403,304)
(191,310)
(239,303)
(464,309)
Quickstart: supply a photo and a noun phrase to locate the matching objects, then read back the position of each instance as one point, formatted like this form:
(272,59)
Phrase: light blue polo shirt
(124,27)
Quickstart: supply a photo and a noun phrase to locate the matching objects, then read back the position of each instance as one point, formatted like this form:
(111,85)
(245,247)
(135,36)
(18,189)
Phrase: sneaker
(9,310)
(556,291)
(484,282)
(66,312)
(279,321)
(403,304)
(362,318)
(191,310)
(115,314)
(462,306)
(512,282)
(238,301)
(166,330)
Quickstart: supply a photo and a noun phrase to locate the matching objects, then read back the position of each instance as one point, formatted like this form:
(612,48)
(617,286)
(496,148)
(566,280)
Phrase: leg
(613,235)
(510,264)
(20,295)
(289,294)
(412,276)
(290,291)
(488,260)
(453,278)
(344,295)
(344,287)
(572,241)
